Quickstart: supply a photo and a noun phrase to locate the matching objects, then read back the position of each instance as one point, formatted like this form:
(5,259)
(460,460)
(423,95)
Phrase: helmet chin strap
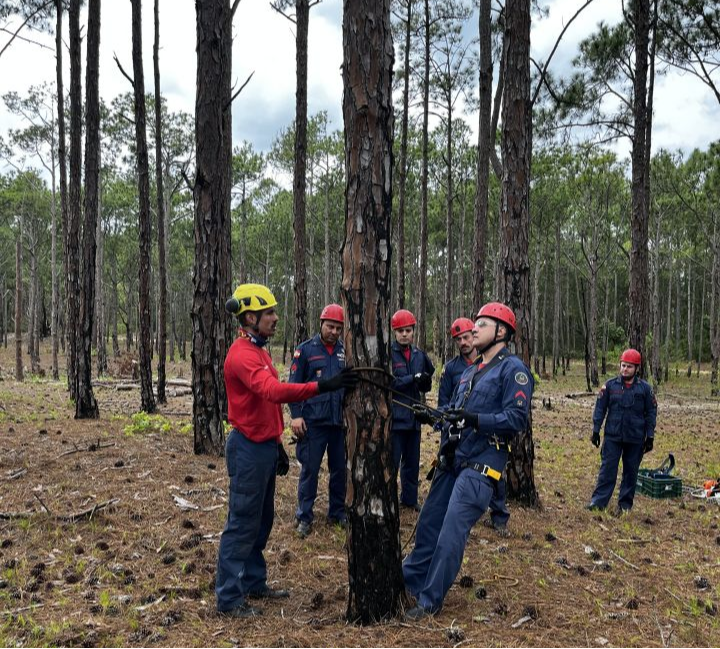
(495,341)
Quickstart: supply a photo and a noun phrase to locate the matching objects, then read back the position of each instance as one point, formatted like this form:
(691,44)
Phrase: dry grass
(141,572)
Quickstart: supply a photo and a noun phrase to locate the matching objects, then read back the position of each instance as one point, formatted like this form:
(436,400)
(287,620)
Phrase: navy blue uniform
(631,413)
(405,428)
(452,372)
(461,492)
(324,421)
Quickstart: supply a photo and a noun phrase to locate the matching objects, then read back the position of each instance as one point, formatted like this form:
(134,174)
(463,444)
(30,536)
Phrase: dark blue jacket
(501,398)
(452,372)
(631,411)
(312,362)
(404,371)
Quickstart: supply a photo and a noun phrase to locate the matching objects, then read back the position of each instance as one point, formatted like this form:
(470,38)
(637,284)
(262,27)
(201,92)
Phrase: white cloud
(686,115)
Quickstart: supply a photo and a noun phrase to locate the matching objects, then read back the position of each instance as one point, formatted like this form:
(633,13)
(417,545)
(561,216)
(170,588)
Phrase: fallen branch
(578,395)
(87,513)
(157,601)
(17,474)
(9,516)
(20,610)
(625,561)
(92,448)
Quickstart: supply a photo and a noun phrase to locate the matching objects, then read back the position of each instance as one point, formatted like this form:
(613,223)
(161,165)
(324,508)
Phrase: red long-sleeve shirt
(255,393)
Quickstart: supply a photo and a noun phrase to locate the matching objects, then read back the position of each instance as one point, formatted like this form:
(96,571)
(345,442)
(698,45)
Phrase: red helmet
(498,311)
(402,318)
(631,356)
(333,312)
(460,326)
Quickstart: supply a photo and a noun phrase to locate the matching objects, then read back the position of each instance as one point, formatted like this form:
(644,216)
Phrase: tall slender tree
(62,160)
(211,196)
(147,398)
(160,191)
(72,232)
(515,220)
(86,406)
(373,544)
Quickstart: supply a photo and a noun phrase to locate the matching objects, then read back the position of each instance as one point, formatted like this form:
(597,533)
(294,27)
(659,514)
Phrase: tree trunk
(145,228)
(33,299)
(19,374)
(638,296)
(486,139)
(445,339)
(55,297)
(690,316)
(162,263)
(72,233)
(557,323)
(668,315)
(535,310)
(86,406)
(328,283)
(606,329)
(592,312)
(655,361)
(211,280)
(515,221)
(302,20)
(423,288)
(714,306)
(100,307)
(61,158)
(700,325)
(403,162)
(374,554)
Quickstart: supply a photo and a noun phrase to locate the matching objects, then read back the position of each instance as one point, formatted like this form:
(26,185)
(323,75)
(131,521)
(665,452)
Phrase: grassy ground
(140,571)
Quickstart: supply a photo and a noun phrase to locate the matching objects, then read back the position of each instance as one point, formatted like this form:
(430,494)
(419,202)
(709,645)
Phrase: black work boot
(269,593)
(242,611)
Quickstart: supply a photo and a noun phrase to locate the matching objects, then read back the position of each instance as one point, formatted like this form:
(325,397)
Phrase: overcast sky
(686,114)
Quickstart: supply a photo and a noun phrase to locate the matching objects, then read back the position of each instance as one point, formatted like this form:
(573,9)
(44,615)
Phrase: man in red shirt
(254,452)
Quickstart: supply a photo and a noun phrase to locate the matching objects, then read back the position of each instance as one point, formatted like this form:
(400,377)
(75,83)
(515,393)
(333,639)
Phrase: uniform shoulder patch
(296,354)
(521,378)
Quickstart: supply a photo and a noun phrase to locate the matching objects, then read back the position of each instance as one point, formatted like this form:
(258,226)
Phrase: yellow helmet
(250,297)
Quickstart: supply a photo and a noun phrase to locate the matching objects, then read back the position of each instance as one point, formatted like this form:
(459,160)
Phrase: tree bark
(639,290)
(445,339)
(72,232)
(147,398)
(403,162)
(515,221)
(655,360)
(162,263)
(100,307)
(19,373)
(557,323)
(86,406)
(374,555)
(302,20)
(485,141)
(211,278)
(714,306)
(423,288)
(61,156)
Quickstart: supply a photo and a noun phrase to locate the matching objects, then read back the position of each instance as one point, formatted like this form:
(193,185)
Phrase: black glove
(347,379)
(423,380)
(283,461)
(595,439)
(648,446)
(457,415)
(422,415)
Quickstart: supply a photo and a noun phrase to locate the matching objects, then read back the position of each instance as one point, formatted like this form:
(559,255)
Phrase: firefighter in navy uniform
(318,422)
(254,453)
(413,372)
(631,410)
(461,331)
(489,407)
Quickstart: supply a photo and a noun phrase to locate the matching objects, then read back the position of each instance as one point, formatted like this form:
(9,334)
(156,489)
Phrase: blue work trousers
(612,451)
(499,513)
(406,457)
